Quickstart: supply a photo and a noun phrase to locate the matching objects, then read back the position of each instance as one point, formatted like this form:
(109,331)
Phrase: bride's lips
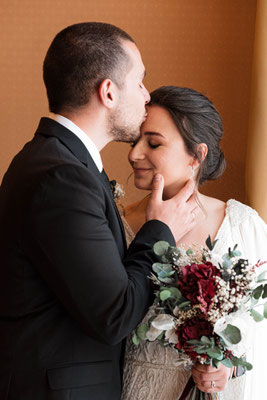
(141,171)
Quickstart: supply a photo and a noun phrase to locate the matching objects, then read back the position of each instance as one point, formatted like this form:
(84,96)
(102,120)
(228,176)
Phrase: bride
(180,139)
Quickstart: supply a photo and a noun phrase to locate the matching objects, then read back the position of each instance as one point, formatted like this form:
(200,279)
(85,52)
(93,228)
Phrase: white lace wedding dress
(150,371)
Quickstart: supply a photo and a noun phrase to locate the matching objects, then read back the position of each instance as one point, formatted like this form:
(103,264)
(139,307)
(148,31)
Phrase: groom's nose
(146,95)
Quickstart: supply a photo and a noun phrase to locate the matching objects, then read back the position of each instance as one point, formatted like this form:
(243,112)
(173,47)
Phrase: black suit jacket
(69,291)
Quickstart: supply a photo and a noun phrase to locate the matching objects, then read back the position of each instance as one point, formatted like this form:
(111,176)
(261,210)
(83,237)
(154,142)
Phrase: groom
(70,292)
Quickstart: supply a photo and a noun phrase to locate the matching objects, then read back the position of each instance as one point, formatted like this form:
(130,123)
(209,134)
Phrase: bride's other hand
(182,207)
(209,379)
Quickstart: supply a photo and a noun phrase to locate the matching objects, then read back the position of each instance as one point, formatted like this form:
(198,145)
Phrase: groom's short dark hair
(79,58)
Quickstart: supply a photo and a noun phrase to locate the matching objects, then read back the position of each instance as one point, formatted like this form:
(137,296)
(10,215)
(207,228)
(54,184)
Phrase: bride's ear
(202,149)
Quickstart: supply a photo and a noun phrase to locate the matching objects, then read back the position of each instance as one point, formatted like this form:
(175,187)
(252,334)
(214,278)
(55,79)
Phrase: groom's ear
(107,93)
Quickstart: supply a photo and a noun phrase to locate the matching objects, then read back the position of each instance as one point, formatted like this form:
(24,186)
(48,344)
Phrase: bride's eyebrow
(150,133)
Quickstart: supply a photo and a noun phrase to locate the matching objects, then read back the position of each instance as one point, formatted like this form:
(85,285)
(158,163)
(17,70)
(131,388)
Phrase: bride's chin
(142,185)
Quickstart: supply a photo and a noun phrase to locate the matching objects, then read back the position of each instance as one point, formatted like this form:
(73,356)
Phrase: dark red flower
(192,329)
(197,283)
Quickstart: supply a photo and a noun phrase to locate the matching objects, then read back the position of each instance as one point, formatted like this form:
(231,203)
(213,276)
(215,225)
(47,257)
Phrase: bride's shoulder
(239,212)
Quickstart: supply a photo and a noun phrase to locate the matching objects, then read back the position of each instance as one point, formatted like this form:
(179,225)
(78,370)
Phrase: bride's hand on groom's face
(179,212)
(209,379)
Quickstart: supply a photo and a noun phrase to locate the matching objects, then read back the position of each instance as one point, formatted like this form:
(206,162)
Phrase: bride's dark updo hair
(198,121)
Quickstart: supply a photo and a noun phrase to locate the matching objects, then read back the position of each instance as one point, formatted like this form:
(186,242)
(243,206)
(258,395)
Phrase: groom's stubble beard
(121,128)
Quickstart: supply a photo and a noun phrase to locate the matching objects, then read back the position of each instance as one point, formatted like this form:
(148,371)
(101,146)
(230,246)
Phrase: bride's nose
(136,153)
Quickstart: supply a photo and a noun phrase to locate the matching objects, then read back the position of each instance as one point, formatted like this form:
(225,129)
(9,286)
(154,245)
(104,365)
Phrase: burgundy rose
(197,283)
(192,329)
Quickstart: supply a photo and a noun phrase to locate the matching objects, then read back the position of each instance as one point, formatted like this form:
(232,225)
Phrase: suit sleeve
(69,241)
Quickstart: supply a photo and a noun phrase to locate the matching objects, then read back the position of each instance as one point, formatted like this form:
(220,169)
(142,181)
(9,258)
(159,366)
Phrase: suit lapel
(107,183)
(49,127)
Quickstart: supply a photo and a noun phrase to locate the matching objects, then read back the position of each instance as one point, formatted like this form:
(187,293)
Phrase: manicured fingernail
(157,177)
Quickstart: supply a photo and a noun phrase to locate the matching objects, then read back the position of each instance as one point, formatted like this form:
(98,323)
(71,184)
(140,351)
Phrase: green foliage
(231,334)
(160,248)
(135,339)
(163,271)
(265,310)
(207,346)
(141,331)
(256,315)
(210,244)
(257,292)
(184,304)
(228,257)
(262,277)
(164,295)
(240,361)
(227,362)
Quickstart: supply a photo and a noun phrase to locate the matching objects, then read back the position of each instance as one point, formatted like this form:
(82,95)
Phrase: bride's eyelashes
(153,145)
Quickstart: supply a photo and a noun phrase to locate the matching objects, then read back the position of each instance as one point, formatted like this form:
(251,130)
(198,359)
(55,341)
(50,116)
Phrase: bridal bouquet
(204,305)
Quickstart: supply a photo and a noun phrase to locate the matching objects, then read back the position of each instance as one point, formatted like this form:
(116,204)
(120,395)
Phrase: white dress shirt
(89,144)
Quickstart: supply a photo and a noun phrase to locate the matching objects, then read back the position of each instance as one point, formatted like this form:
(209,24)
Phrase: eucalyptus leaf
(240,361)
(184,304)
(253,302)
(256,315)
(160,248)
(205,340)
(201,349)
(135,339)
(164,295)
(236,253)
(160,337)
(166,280)
(227,363)
(215,363)
(265,310)
(247,365)
(257,292)
(166,271)
(262,276)
(226,257)
(141,331)
(264,291)
(226,264)
(231,334)
(157,267)
(216,353)
(194,342)
(175,292)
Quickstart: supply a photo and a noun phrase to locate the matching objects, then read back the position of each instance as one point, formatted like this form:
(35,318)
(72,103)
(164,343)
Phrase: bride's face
(160,149)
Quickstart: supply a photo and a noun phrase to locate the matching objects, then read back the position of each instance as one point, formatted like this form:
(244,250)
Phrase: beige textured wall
(257,141)
(203,44)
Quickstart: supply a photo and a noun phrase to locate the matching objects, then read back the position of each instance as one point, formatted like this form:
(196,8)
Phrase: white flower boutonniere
(117,190)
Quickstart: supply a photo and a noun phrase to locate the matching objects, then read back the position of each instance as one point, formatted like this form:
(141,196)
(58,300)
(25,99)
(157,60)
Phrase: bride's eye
(153,146)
